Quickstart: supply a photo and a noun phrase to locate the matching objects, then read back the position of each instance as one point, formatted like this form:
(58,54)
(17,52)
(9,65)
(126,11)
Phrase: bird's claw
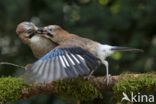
(88,77)
(108,79)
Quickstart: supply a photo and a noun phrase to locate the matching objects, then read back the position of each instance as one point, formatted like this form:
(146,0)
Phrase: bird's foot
(108,79)
(88,77)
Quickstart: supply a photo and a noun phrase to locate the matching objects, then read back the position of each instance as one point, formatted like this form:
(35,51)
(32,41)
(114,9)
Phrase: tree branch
(12,89)
(97,82)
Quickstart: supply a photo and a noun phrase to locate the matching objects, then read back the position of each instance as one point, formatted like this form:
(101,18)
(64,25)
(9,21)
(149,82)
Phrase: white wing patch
(80,57)
(66,61)
(62,61)
(70,59)
(75,58)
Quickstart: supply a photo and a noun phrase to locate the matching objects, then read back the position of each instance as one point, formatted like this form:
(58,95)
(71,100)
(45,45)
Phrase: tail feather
(116,48)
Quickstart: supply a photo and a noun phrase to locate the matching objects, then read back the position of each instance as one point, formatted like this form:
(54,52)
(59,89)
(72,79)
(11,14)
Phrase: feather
(63,63)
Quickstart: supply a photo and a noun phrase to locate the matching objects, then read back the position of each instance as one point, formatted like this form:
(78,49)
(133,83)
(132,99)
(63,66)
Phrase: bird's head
(53,32)
(25,31)
(30,35)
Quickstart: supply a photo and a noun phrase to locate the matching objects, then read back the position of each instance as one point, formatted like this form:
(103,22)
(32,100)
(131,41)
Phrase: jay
(67,56)
(27,32)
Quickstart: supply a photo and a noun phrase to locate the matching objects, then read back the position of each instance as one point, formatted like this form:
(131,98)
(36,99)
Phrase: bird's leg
(107,79)
(89,76)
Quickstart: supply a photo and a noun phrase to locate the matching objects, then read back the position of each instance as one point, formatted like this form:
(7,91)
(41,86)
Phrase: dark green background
(129,23)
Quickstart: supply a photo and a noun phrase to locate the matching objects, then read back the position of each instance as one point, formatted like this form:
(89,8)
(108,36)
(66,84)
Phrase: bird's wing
(62,63)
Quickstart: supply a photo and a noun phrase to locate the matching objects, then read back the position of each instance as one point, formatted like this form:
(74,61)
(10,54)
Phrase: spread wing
(62,63)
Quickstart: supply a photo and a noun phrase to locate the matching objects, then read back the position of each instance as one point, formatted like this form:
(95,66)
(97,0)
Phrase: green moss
(144,83)
(77,88)
(10,89)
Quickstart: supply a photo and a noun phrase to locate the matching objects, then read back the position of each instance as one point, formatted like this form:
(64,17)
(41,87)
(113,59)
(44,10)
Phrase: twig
(12,64)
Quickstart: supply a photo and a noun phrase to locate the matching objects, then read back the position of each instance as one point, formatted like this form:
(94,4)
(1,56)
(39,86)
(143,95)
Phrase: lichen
(77,88)
(10,89)
(142,83)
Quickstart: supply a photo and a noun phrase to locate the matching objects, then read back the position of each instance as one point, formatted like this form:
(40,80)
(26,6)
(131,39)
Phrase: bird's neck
(63,36)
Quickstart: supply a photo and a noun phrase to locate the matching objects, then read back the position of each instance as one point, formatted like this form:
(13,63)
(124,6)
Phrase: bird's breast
(41,46)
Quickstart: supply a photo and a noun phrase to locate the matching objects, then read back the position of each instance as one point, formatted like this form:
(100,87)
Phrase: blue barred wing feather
(62,63)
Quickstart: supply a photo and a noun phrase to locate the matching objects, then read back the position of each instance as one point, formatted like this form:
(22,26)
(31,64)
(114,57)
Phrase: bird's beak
(44,31)
(116,48)
(41,30)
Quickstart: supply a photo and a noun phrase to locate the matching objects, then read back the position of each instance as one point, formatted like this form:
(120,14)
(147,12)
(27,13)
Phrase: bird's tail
(117,48)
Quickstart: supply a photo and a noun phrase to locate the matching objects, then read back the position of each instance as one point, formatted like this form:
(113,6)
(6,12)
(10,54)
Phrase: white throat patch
(35,39)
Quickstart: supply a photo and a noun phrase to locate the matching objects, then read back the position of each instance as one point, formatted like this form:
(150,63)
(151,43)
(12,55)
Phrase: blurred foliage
(116,22)
(128,83)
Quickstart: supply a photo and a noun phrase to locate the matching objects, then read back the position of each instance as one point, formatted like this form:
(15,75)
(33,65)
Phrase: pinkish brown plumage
(38,44)
(68,56)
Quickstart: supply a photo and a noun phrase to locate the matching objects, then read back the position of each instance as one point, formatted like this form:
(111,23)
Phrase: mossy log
(14,88)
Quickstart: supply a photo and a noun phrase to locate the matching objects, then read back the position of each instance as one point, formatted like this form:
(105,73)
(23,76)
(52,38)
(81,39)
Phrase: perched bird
(38,44)
(73,56)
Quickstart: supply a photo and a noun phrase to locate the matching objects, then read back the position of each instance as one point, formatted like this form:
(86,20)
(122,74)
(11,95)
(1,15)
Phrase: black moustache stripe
(31,35)
(49,34)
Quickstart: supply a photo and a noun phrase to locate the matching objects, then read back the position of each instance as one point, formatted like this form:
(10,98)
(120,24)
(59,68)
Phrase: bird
(39,45)
(72,57)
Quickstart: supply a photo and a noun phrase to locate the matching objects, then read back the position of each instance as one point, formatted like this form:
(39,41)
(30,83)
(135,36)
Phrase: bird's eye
(50,29)
(31,33)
